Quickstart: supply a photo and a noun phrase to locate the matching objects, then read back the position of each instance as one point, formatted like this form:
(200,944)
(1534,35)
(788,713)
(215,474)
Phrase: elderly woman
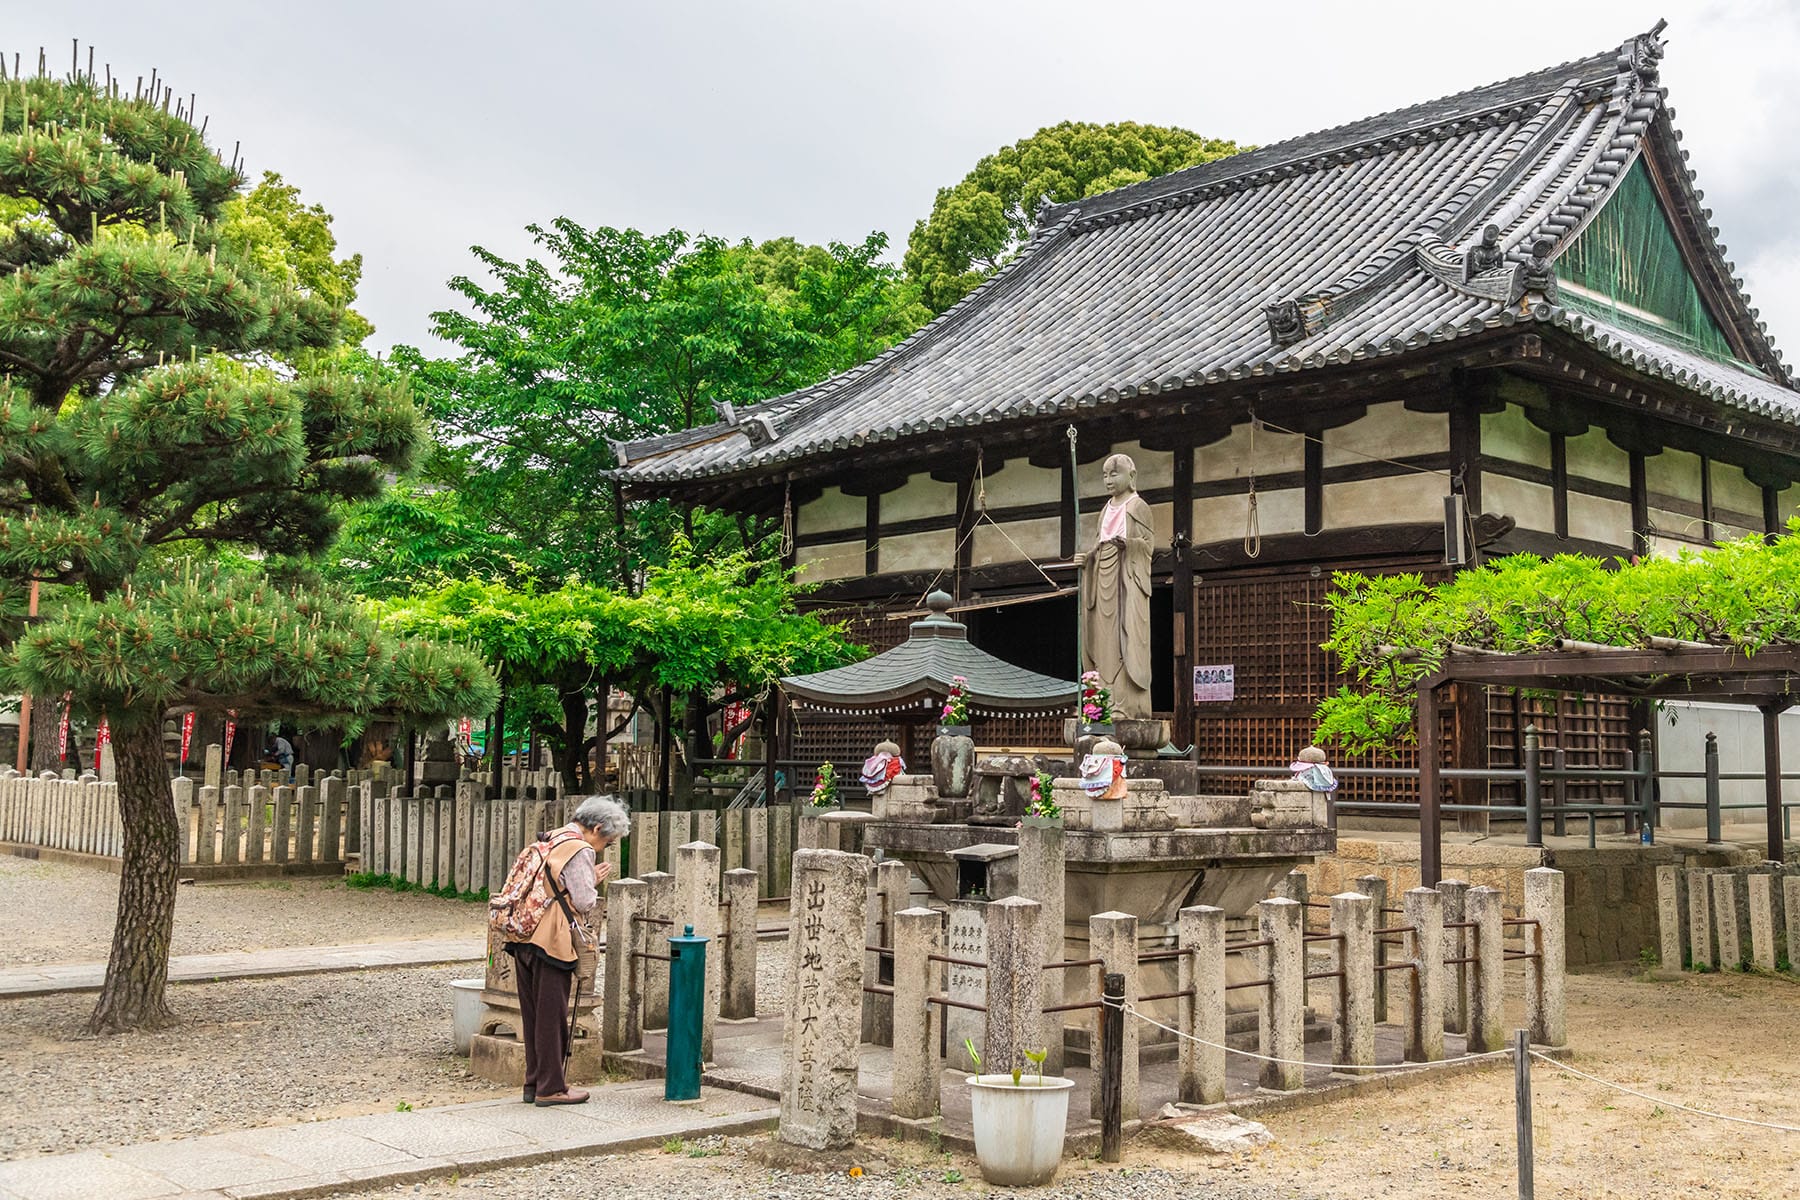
(545,965)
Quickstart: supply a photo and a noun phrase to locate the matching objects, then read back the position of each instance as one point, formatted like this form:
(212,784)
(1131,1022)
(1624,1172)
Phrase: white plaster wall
(1507,434)
(1681,746)
(1674,473)
(931,551)
(1221,518)
(1018,482)
(1396,500)
(1532,505)
(1596,519)
(1387,431)
(1732,491)
(1668,547)
(1678,526)
(1039,540)
(919,497)
(832,560)
(1231,457)
(831,511)
(1593,456)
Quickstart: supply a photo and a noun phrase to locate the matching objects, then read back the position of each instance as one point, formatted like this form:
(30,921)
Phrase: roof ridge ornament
(1642,55)
(1535,276)
(1287,324)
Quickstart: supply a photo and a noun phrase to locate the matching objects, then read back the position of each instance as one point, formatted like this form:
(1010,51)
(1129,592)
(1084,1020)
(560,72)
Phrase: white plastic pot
(465,1011)
(1019,1130)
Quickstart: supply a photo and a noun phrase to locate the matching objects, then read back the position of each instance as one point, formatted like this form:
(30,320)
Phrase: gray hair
(602,813)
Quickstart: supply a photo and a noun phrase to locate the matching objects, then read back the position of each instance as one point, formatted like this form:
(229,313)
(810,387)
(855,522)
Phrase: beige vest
(553,934)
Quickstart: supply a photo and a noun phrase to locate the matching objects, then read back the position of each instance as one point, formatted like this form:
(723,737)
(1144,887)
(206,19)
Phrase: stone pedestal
(1002,789)
(1141,737)
(953,761)
(497,1055)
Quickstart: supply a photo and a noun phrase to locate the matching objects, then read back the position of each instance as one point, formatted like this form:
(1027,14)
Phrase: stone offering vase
(953,761)
(1019,1127)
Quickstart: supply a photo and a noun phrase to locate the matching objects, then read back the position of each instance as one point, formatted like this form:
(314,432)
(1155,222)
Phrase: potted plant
(1019,1119)
(825,790)
(1096,714)
(1043,811)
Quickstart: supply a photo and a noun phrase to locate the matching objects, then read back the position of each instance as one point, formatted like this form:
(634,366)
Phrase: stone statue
(1485,255)
(1115,593)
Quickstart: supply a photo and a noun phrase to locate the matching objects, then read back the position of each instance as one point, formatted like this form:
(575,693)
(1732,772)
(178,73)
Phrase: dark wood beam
(1182,510)
(1640,507)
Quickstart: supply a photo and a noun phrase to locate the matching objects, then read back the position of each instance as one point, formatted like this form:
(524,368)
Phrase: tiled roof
(1330,248)
(917,674)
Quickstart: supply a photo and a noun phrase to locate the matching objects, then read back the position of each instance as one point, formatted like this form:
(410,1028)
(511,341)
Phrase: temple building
(1491,323)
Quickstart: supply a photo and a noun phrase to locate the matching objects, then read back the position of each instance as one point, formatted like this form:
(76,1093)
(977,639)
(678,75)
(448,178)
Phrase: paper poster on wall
(1215,683)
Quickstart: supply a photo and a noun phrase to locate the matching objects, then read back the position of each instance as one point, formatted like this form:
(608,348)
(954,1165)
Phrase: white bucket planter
(465,1011)
(1019,1130)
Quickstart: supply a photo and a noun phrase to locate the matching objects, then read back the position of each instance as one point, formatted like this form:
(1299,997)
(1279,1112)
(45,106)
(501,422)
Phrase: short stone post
(1353,1027)
(257,827)
(810,834)
(781,856)
(697,904)
(643,843)
(1425,950)
(1790,902)
(819,1042)
(918,934)
(1041,868)
(1671,930)
(1112,938)
(1282,1028)
(1761,896)
(1487,982)
(284,824)
(180,788)
(215,765)
(1200,935)
(1375,888)
(331,821)
(1015,992)
(756,847)
(1703,951)
(1544,997)
(706,826)
(680,831)
(659,926)
(622,1013)
(446,836)
(737,998)
(1456,945)
(206,849)
(231,850)
(890,884)
(307,822)
(1725,919)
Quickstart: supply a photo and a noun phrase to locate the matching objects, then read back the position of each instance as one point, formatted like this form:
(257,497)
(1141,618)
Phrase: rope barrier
(1405,1066)
(1699,1112)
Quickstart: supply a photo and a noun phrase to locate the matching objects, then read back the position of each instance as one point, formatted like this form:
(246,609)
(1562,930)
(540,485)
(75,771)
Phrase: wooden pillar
(965,541)
(771,724)
(1559,482)
(1183,513)
(1772,526)
(1069,532)
(1771,714)
(1469,735)
(1431,831)
(665,746)
(1640,506)
(872,535)
(1314,479)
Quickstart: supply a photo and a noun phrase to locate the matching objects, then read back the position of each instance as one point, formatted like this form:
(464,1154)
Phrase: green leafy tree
(140,419)
(271,227)
(713,630)
(1389,631)
(978,225)
(614,333)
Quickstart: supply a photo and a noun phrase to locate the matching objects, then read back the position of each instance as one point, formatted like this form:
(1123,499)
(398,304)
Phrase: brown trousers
(544,1015)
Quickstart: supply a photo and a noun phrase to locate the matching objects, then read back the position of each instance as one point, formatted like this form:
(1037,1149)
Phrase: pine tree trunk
(571,756)
(133,995)
(46,721)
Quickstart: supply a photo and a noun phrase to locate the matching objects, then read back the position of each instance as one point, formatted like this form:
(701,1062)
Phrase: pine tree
(145,414)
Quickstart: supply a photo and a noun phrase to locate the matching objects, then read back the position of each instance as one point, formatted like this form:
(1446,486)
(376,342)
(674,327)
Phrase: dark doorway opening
(1038,635)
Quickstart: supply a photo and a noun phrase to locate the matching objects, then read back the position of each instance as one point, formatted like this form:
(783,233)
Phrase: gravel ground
(210,918)
(246,1053)
(1446,1138)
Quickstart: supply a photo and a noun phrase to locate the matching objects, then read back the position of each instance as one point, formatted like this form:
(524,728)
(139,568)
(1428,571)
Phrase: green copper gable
(1626,268)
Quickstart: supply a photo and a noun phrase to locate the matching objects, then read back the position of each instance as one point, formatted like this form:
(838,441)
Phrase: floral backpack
(529,891)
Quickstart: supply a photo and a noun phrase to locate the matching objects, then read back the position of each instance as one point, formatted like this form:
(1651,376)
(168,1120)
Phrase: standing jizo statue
(1115,592)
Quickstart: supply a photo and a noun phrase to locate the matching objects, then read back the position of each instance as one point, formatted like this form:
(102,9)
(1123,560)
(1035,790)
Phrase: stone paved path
(48,978)
(381,1150)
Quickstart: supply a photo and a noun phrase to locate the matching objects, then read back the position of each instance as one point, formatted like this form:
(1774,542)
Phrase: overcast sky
(427,128)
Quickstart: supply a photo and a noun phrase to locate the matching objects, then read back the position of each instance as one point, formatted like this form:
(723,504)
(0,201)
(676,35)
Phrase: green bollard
(687,1007)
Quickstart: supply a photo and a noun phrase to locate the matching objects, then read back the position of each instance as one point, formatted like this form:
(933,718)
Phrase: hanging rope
(787,520)
(1253,519)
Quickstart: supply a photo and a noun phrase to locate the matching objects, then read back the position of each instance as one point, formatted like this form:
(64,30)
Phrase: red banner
(62,733)
(230,731)
(102,738)
(187,736)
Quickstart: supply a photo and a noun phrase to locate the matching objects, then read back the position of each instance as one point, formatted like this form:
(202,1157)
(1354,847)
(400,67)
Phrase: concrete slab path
(384,1149)
(46,979)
